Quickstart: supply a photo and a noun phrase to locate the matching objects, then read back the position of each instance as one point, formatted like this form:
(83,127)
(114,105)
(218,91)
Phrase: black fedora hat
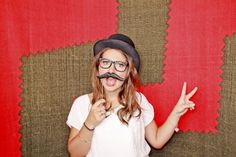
(121,42)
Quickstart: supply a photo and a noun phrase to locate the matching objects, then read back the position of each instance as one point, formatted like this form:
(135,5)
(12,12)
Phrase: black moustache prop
(113,75)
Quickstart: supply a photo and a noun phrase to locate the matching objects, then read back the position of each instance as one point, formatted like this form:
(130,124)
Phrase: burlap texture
(50,83)
(145,23)
(52,80)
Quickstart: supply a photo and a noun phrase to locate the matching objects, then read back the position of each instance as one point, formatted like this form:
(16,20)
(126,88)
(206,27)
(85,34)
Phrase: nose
(112,68)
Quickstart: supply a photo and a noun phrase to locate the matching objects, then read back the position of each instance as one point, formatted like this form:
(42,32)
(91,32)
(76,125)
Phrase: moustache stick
(113,75)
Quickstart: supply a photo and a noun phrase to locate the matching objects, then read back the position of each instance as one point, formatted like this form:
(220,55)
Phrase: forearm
(158,137)
(165,132)
(79,146)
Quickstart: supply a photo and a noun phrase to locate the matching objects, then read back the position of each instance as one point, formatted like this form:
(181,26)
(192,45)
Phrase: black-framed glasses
(119,65)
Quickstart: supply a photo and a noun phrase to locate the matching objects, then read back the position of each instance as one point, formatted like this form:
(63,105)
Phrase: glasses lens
(104,63)
(120,66)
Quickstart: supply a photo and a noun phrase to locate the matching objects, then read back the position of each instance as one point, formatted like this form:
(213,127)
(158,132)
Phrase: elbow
(74,152)
(158,145)
(69,149)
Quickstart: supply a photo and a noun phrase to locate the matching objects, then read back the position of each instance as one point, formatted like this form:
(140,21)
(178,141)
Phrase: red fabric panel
(28,26)
(195,39)
(194,50)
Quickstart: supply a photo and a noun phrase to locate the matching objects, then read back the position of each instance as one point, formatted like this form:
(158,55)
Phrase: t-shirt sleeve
(78,113)
(147,109)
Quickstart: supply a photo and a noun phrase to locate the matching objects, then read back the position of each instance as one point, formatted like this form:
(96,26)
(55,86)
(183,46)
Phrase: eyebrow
(114,60)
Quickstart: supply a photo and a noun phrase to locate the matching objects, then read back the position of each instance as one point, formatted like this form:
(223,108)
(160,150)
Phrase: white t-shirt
(112,138)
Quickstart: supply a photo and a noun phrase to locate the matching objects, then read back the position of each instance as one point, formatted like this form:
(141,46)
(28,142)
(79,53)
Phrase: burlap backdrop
(52,80)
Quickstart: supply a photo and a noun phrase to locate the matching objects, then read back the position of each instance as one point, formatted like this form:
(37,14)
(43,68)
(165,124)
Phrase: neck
(112,97)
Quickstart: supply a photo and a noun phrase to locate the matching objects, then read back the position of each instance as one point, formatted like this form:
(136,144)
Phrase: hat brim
(118,44)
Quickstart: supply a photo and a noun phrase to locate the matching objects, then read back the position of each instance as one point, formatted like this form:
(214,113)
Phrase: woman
(115,120)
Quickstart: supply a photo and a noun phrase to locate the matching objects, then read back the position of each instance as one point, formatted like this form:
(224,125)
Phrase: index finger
(183,92)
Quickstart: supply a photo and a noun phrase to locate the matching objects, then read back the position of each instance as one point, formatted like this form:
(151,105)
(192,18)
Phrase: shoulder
(143,101)
(141,98)
(82,101)
(84,97)
(146,107)
(79,111)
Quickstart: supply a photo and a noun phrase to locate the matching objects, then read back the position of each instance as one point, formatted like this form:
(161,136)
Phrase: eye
(121,64)
(105,62)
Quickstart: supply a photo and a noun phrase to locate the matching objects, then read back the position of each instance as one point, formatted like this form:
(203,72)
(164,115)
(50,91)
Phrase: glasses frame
(113,62)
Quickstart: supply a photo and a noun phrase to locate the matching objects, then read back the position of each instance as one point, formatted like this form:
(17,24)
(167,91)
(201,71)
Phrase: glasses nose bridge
(114,65)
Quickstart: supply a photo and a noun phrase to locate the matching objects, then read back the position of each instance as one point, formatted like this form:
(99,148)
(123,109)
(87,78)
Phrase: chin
(112,88)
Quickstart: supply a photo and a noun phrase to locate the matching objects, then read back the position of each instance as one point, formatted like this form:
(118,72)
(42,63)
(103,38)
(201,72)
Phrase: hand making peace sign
(184,102)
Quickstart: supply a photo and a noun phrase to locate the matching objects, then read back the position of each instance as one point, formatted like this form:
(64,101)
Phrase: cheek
(125,74)
(101,71)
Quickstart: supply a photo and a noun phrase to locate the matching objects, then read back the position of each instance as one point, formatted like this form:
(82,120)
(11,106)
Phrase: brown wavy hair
(126,97)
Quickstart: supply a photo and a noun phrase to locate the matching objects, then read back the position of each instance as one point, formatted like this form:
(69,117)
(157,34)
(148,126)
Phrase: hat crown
(123,38)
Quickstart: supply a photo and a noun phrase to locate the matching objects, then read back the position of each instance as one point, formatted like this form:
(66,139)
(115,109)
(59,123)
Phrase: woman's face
(118,66)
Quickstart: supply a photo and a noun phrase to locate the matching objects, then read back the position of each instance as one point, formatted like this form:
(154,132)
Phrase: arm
(158,137)
(79,141)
